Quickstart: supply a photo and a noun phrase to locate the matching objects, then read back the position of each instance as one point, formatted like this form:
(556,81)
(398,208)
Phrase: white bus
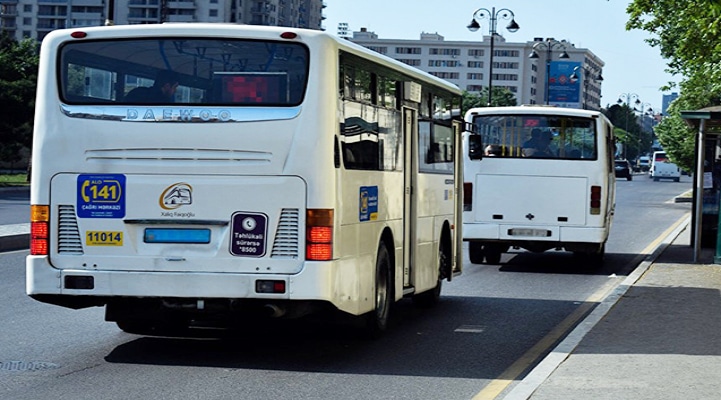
(546,181)
(291,172)
(663,168)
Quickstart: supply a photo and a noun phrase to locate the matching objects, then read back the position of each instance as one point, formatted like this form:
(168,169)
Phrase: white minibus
(259,170)
(663,168)
(537,178)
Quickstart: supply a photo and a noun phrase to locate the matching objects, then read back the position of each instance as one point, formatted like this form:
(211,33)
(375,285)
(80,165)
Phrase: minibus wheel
(377,320)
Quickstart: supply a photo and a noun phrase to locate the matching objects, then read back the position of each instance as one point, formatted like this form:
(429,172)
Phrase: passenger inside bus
(539,144)
(493,150)
(162,91)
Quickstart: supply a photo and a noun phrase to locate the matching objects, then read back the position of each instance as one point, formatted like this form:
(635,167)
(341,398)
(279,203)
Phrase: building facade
(36,18)
(572,82)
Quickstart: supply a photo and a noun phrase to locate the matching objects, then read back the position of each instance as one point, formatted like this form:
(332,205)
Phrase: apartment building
(574,81)
(36,18)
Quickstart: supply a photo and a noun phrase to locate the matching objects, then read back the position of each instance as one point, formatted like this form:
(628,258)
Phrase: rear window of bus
(222,72)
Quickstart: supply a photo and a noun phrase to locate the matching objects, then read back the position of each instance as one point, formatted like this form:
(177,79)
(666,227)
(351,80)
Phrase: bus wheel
(432,297)
(493,254)
(377,320)
(475,252)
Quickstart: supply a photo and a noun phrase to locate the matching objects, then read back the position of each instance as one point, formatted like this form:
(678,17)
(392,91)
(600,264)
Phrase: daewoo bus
(546,181)
(290,172)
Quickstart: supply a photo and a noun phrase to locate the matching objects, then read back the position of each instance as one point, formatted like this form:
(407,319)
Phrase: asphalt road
(494,323)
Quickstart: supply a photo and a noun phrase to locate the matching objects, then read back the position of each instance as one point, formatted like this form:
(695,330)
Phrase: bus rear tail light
(39,230)
(319,235)
(467,196)
(595,200)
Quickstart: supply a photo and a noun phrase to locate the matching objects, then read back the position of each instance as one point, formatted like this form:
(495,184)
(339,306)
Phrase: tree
(628,131)
(501,97)
(688,35)
(18,77)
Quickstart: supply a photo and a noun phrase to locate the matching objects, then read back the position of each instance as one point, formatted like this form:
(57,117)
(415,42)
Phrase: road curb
(15,242)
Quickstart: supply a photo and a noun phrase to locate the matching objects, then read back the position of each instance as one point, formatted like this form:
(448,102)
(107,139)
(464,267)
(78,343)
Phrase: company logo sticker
(176,195)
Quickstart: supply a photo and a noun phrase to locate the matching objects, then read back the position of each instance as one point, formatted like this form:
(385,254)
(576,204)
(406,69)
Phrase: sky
(632,67)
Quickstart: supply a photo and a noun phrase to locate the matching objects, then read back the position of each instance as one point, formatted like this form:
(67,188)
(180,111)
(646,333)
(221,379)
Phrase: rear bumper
(560,235)
(316,281)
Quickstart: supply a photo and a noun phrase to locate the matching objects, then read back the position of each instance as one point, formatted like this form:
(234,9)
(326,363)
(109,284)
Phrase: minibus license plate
(529,232)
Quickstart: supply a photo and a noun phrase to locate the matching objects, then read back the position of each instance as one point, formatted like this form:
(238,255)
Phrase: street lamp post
(492,15)
(626,98)
(586,75)
(646,110)
(549,44)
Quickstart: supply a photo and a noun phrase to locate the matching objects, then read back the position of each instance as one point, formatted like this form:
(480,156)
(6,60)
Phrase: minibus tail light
(319,235)
(595,208)
(467,196)
(39,230)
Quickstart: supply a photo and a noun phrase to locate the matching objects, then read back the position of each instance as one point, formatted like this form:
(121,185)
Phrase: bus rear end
(171,210)
(545,181)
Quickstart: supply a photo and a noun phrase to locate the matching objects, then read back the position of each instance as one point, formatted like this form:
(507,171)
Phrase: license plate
(104,238)
(529,232)
(176,235)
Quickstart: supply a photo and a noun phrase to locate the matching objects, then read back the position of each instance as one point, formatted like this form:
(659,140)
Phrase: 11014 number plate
(104,238)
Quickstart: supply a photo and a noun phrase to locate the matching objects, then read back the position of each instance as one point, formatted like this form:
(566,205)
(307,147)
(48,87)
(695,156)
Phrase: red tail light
(595,208)
(319,235)
(467,196)
(39,230)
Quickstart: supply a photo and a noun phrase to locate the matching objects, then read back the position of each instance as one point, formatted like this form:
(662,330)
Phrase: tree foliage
(628,131)
(18,77)
(688,36)
(501,97)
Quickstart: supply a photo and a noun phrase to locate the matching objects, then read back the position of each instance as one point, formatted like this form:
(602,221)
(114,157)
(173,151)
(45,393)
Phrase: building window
(408,50)
(505,77)
(445,52)
(475,64)
(379,49)
(410,61)
(505,65)
(506,53)
(212,13)
(444,63)
(445,75)
(474,76)
(476,52)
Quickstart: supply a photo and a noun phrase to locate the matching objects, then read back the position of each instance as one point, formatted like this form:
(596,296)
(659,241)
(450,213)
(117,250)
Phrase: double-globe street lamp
(492,15)
(586,76)
(548,44)
(627,98)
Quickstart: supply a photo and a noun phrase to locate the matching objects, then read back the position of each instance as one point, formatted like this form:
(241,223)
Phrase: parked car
(623,169)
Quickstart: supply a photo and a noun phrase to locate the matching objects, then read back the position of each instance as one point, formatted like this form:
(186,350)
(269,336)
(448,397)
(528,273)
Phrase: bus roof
(314,38)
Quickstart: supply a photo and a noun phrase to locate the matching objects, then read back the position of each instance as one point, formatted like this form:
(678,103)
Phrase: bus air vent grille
(285,244)
(68,232)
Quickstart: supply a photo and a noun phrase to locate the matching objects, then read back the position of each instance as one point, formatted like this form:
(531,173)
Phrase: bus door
(458,198)
(410,173)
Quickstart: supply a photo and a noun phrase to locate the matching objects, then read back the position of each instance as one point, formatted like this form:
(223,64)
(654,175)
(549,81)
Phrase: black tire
(377,320)
(629,177)
(493,254)
(431,297)
(593,259)
(475,252)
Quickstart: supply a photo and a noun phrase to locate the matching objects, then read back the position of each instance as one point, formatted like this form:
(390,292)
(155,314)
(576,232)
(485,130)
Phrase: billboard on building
(562,90)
